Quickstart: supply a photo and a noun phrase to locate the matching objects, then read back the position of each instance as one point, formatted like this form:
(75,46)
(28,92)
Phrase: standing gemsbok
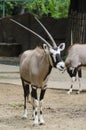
(35,67)
(76,58)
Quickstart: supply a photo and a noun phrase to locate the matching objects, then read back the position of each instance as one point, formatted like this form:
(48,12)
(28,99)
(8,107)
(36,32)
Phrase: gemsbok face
(35,67)
(56,56)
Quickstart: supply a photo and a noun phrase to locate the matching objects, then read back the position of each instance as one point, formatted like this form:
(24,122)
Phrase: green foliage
(52,8)
(11,7)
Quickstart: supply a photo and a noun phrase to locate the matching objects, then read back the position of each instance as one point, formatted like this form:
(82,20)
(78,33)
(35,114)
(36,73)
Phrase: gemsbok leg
(35,103)
(73,73)
(41,103)
(26,94)
(79,80)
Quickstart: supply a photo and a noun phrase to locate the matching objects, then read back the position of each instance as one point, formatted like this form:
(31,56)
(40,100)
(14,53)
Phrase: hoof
(42,122)
(78,92)
(35,124)
(24,117)
(68,92)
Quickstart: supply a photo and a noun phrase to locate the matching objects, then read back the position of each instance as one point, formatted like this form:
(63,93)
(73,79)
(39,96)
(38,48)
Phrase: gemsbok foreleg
(40,105)
(26,94)
(73,73)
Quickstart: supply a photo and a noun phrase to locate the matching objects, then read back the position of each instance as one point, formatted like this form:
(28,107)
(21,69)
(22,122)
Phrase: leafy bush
(53,8)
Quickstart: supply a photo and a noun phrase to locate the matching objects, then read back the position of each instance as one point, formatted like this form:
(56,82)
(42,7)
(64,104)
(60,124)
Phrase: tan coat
(76,56)
(34,66)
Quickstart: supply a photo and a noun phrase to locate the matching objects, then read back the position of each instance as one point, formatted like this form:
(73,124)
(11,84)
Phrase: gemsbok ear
(61,46)
(46,48)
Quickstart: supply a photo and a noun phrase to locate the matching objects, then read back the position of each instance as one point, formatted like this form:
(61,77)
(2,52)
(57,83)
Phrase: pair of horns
(49,35)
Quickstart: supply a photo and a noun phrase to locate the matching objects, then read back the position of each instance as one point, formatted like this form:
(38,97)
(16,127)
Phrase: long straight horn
(51,38)
(31,32)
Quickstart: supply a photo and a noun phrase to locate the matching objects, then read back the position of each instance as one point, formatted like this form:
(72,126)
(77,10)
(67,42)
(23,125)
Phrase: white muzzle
(61,66)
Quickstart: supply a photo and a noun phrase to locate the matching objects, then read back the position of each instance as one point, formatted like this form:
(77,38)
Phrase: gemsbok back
(35,67)
(76,58)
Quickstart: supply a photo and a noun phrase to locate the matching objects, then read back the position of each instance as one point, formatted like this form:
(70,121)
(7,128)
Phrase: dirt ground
(61,111)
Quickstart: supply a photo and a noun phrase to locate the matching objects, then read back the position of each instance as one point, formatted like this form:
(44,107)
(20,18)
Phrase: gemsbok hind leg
(26,94)
(79,80)
(40,105)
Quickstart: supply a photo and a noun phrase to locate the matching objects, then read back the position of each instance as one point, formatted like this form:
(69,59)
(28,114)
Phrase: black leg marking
(41,112)
(41,103)
(35,113)
(42,94)
(71,86)
(26,92)
(72,73)
(80,73)
(34,92)
(35,104)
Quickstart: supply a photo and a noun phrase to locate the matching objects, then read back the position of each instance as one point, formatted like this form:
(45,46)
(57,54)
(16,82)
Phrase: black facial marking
(55,49)
(58,58)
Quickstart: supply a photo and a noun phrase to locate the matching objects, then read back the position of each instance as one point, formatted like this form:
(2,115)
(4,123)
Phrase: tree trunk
(77,22)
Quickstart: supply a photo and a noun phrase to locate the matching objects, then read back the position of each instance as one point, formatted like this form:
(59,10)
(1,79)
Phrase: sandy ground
(61,111)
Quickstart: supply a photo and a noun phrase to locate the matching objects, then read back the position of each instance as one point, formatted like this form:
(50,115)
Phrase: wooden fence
(78,26)
(12,33)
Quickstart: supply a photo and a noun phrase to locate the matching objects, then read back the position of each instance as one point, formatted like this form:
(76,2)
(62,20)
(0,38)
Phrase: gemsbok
(35,67)
(76,58)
